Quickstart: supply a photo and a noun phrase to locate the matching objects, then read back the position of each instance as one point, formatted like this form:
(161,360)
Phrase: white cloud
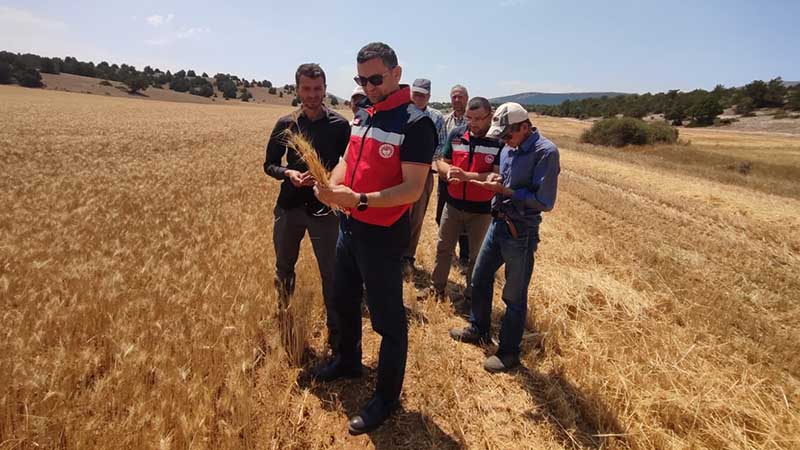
(157,20)
(191,32)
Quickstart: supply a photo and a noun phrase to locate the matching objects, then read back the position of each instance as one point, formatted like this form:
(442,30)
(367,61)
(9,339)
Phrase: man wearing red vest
(467,155)
(383,172)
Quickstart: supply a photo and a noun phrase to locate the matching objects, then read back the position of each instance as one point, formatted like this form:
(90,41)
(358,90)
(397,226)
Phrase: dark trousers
(463,240)
(289,228)
(371,256)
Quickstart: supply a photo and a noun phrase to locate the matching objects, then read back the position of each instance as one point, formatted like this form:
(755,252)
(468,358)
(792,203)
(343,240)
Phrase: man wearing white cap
(420,96)
(356,97)
(526,186)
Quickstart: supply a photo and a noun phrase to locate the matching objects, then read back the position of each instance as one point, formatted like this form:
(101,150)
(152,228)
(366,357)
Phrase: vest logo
(386,151)
(357,120)
(489,159)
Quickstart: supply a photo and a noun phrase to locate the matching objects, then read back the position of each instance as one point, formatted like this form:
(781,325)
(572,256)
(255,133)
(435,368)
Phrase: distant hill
(789,84)
(541,98)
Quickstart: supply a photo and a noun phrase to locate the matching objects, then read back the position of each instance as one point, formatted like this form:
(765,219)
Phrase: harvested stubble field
(137,305)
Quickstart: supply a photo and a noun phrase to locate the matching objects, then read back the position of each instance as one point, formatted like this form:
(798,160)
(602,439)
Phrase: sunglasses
(375,80)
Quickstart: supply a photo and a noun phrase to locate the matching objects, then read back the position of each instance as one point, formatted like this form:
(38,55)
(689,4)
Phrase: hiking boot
(500,363)
(471,335)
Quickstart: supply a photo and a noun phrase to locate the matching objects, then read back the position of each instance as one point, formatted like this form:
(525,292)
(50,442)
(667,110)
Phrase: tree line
(26,69)
(698,107)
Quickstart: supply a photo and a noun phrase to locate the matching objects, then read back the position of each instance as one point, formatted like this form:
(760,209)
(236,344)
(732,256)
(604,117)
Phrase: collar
(530,142)
(325,114)
(397,98)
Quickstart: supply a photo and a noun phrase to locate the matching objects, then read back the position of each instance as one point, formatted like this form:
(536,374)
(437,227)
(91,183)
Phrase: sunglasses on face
(375,80)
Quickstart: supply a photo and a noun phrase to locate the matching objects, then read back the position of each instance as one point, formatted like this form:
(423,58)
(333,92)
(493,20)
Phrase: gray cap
(506,115)
(422,85)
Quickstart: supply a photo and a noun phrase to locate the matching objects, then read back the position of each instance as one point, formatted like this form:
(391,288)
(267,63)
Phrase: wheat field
(136,269)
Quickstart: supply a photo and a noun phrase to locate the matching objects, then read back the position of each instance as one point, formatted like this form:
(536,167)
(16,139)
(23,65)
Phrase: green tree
(744,106)
(191,73)
(704,111)
(136,82)
(272,90)
(5,73)
(334,100)
(794,99)
(295,101)
(180,85)
(776,91)
(48,65)
(228,88)
(676,114)
(757,90)
(28,77)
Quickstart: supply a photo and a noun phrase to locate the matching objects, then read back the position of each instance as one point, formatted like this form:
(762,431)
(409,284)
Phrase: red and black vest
(473,154)
(373,156)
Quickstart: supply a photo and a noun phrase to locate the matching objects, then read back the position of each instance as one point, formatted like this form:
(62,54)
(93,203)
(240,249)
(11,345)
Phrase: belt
(511,227)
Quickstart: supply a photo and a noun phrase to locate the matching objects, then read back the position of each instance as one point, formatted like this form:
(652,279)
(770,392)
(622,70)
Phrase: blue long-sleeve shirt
(531,171)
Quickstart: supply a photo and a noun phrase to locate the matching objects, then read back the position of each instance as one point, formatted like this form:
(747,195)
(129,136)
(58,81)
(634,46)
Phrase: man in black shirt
(297,209)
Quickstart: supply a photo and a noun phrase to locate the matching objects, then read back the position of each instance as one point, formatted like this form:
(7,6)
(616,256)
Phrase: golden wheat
(303,147)
(138,310)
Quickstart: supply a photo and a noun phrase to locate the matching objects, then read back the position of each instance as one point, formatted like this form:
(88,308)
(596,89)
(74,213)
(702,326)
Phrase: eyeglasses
(375,80)
(478,119)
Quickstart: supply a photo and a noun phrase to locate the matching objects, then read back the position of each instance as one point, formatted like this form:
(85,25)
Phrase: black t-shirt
(419,142)
(330,135)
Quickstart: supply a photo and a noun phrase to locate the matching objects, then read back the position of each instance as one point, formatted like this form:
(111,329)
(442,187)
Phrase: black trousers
(371,256)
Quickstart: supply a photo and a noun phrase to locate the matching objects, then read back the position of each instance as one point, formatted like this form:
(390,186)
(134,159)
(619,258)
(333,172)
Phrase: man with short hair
(526,187)
(468,155)
(297,210)
(420,96)
(456,118)
(382,174)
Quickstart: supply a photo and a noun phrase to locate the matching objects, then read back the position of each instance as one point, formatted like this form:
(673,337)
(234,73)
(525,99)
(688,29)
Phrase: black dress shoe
(371,416)
(335,369)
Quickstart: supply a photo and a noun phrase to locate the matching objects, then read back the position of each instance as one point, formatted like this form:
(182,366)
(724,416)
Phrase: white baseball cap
(506,115)
(358,91)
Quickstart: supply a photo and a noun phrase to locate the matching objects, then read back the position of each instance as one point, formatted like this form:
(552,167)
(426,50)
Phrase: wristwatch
(362,202)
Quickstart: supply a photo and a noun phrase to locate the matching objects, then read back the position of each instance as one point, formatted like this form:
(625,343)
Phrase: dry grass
(137,306)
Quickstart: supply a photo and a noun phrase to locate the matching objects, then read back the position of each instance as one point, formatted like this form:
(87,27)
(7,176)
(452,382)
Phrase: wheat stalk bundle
(303,147)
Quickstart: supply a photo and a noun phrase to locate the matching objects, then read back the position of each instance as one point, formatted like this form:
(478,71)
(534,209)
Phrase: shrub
(245,96)
(180,84)
(28,77)
(295,101)
(616,132)
(136,82)
(105,83)
(273,91)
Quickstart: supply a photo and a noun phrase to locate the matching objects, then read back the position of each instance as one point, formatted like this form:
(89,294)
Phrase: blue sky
(494,48)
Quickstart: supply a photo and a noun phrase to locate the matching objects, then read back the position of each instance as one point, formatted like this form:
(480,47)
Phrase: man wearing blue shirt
(525,187)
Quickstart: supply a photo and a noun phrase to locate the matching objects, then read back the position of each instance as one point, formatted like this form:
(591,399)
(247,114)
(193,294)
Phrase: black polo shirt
(329,134)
